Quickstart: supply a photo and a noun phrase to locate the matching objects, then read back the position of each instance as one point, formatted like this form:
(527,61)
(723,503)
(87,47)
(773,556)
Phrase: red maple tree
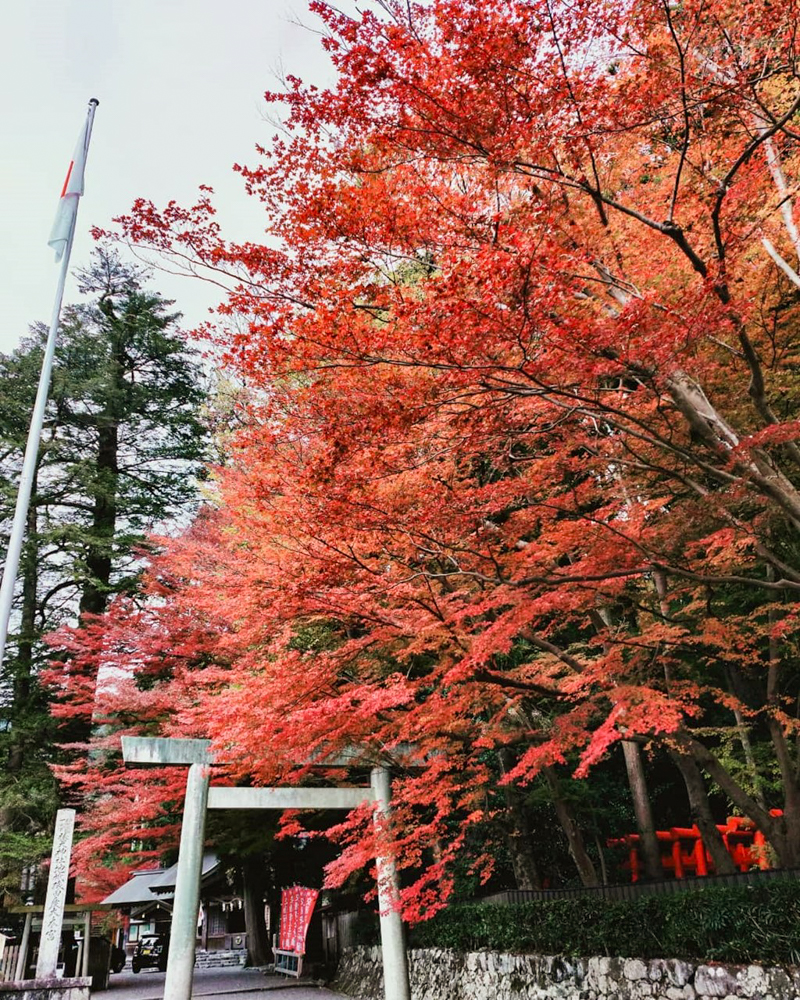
(520,473)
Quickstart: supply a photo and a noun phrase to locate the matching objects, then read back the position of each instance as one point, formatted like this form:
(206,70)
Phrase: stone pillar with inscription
(53,915)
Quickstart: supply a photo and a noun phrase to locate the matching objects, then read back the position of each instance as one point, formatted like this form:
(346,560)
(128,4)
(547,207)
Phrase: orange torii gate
(683,853)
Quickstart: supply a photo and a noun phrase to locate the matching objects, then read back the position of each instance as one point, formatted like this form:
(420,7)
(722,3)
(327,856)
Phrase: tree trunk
(783,753)
(787,841)
(701,813)
(569,824)
(648,842)
(601,858)
(738,688)
(692,776)
(783,832)
(99,559)
(519,836)
(100,547)
(258,949)
(94,596)
(782,837)
(718,434)
(99,551)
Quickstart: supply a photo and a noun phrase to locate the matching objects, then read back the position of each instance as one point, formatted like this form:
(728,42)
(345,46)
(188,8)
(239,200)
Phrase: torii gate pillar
(393,944)
(183,933)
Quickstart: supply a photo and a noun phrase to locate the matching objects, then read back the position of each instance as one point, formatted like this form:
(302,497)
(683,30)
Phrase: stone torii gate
(201,796)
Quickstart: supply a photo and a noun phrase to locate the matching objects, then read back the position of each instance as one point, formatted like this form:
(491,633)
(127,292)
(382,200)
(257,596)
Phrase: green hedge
(759,924)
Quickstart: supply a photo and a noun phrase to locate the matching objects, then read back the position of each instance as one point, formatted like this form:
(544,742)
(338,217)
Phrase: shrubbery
(759,924)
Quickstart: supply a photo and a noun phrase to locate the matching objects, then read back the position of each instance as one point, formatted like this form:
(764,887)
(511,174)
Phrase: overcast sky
(180,85)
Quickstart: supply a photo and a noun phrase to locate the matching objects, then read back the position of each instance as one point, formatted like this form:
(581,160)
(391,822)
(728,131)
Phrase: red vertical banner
(297,905)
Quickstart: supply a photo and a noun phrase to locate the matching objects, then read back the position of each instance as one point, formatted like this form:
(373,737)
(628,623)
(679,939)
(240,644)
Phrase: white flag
(70,193)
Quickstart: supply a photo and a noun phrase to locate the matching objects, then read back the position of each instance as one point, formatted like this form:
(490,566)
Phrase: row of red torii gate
(684,855)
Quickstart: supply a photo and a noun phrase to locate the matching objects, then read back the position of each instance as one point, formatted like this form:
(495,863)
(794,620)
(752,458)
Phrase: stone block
(780,984)
(505,964)
(752,982)
(634,969)
(714,981)
(678,973)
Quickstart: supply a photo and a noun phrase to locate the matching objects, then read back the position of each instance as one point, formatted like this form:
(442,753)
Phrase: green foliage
(731,924)
(240,833)
(28,803)
(317,636)
(122,446)
(122,449)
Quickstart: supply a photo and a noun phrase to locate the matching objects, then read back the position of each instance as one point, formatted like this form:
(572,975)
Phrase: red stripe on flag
(66,179)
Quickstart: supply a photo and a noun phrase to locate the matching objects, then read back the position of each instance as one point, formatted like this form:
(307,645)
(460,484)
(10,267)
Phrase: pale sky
(180,85)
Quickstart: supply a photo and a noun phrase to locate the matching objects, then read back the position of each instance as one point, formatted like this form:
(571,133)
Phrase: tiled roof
(155,884)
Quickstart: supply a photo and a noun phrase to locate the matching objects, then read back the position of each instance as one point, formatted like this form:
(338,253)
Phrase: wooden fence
(633,890)
(8,961)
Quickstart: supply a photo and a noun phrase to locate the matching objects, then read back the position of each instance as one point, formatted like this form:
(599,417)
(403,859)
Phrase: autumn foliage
(519,472)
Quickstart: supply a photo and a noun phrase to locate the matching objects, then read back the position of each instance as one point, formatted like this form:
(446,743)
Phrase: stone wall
(438,974)
(46,989)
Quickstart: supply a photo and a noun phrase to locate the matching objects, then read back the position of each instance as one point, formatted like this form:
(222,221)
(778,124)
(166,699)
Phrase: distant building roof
(165,883)
(156,884)
(136,890)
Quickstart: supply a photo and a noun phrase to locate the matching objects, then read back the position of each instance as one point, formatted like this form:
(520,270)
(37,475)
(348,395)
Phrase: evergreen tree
(121,454)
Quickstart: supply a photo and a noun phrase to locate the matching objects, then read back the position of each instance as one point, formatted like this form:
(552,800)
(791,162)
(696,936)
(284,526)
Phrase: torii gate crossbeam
(200,797)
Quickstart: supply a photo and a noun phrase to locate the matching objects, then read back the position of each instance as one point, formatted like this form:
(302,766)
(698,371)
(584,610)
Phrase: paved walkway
(238,984)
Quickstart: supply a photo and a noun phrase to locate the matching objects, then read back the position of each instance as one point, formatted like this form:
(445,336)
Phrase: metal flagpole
(34,436)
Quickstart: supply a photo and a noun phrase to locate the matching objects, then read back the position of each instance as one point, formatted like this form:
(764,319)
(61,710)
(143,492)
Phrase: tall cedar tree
(545,497)
(122,448)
